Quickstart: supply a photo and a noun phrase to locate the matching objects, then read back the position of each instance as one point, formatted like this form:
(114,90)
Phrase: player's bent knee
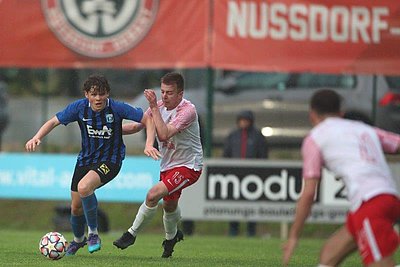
(326,256)
(156,193)
(152,198)
(84,190)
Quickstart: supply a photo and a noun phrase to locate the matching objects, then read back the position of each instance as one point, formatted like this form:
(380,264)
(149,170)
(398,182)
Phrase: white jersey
(354,152)
(184,148)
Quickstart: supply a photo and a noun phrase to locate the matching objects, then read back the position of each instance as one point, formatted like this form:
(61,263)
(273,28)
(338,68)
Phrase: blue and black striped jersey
(101,131)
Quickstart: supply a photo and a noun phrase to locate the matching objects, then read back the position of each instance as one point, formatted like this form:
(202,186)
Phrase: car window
(284,80)
(263,80)
(313,80)
(393,81)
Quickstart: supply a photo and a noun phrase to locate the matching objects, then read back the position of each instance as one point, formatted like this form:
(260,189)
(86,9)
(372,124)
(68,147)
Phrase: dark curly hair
(98,83)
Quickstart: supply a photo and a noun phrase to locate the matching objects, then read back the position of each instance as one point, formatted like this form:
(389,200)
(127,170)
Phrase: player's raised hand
(151,151)
(151,97)
(32,144)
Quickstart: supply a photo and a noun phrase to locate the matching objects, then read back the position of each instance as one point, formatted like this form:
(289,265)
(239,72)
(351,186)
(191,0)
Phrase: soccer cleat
(74,247)
(94,243)
(125,240)
(170,244)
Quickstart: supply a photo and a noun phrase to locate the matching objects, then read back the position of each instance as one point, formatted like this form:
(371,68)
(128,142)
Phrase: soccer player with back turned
(353,151)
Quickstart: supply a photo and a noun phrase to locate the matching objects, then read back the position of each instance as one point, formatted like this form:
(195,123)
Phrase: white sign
(259,190)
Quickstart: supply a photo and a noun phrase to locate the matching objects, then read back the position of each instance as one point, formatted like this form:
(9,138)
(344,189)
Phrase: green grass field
(20,248)
(23,223)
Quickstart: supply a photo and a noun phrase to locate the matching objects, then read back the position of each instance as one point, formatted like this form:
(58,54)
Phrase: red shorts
(177,179)
(372,227)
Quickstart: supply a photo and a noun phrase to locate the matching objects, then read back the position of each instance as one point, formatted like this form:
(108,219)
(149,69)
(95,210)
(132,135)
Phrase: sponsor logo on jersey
(104,133)
(100,28)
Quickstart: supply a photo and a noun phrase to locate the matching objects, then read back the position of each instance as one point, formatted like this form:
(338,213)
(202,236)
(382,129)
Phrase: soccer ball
(53,245)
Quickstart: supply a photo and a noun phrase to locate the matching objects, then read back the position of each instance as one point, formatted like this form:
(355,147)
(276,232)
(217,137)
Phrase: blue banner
(48,177)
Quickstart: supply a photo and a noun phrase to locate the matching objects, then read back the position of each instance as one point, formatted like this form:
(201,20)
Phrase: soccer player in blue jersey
(99,161)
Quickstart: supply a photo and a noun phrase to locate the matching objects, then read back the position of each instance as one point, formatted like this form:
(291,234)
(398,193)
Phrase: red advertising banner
(112,34)
(338,36)
(320,36)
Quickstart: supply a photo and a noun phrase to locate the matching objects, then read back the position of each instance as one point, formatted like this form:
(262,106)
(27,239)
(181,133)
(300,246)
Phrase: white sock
(92,231)
(171,220)
(323,265)
(143,216)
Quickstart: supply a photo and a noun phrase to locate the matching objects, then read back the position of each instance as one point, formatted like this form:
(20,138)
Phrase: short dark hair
(326,101)
(172,78)
(97,82)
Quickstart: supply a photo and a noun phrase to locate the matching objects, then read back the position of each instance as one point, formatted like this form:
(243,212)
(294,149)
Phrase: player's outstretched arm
(131,128)
(43,131)
(303,210)
(149,149)
(390,141)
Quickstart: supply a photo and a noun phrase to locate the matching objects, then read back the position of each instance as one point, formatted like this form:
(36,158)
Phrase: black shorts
(106,170)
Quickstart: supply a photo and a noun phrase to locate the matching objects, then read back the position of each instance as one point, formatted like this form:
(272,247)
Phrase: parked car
(280,102)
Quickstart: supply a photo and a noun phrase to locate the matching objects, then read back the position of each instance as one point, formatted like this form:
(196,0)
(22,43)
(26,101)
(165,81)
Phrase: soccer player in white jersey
(354,151)
(178,137)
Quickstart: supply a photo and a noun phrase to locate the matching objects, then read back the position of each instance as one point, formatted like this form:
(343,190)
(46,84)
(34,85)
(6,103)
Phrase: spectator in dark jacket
(245,142)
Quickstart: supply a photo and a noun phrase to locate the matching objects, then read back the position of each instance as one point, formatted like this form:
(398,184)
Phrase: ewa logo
(103,133)
(100,28)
